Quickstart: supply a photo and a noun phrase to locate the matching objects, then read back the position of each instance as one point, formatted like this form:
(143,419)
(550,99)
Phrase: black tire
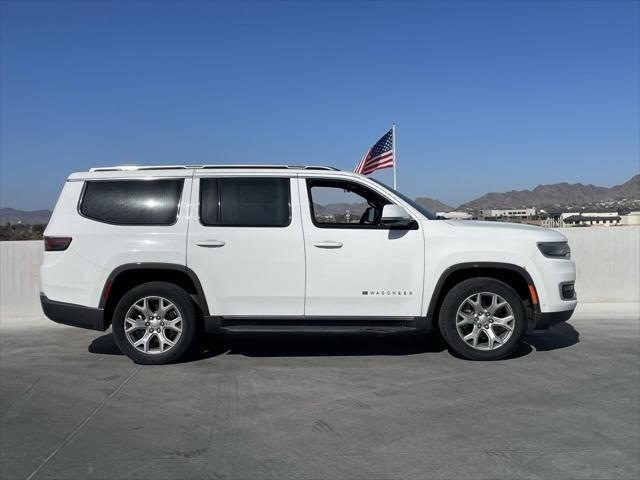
(190,323)
(449,315)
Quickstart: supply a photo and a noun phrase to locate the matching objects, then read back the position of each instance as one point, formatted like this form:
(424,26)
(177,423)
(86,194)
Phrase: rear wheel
(483,319)
(155,323)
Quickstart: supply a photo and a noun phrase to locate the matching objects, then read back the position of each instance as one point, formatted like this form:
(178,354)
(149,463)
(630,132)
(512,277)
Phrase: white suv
(163,254)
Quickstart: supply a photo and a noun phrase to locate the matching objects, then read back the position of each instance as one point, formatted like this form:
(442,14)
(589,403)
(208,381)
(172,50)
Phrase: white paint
(78,274)
(608,269)
(300,269)
(453,242)
(257,271)
(342,263)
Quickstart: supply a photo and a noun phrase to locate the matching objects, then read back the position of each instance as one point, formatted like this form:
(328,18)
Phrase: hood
(540,234)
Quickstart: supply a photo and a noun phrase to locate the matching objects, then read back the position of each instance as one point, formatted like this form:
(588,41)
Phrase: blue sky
(487,96)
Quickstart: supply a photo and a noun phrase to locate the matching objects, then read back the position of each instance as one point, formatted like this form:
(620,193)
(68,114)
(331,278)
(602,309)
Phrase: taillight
(56,244)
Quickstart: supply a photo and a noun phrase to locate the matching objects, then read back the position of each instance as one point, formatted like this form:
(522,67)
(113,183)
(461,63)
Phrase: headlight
(555,249)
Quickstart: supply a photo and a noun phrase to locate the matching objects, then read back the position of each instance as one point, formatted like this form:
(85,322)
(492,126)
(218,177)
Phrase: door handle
(211,243)
(328,244)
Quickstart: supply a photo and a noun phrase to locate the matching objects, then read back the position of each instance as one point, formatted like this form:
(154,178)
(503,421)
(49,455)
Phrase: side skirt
(315,325)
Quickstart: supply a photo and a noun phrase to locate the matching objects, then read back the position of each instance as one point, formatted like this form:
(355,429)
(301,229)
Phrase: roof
(172,171)
(211,166)
(585,218)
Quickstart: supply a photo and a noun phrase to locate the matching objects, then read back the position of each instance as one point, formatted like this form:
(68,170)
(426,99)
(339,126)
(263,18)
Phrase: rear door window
(132,202)
(245,202)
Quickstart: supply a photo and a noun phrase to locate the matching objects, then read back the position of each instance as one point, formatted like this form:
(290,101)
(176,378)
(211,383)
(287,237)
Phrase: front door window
(340,204)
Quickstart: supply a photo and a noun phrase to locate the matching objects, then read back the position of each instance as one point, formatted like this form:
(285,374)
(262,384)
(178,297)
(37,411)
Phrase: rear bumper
(74,315)
(544,320)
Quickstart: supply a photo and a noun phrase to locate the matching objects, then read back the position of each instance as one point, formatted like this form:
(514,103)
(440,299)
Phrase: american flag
(377,157)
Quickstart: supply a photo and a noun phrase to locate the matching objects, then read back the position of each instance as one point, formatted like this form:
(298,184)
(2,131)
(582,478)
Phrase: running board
(310,329)
(315,325)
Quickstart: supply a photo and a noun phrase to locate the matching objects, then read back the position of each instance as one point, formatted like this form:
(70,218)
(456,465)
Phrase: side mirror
(396,216)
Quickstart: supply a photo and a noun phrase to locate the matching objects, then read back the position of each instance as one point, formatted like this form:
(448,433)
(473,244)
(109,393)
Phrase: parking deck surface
(332,407)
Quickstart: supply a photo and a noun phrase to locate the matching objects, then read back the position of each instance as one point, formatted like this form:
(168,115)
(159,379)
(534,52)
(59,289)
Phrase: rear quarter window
(132,202)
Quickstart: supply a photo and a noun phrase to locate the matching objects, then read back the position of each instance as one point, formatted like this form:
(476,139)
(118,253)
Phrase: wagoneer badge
(390,293)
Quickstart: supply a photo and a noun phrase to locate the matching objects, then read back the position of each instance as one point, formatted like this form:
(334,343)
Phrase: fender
(435,296)
(199,297)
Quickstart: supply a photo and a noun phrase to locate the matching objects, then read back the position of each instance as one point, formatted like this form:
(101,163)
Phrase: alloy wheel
(153,325)
(485,321)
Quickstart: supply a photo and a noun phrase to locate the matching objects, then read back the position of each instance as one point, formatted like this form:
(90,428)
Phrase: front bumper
(74,315)
(548,275)
(544,320)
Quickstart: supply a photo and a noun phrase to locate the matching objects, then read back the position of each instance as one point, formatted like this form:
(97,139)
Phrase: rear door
(356,266)
(245,243)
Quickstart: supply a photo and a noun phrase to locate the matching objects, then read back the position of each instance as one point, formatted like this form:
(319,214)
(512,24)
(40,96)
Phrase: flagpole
(395,160)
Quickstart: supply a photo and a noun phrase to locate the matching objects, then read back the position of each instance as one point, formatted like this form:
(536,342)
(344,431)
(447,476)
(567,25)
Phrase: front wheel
(155,323)
(483,319)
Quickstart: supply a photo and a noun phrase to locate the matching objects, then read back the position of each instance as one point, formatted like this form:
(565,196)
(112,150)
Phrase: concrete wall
(608,261)
(20,278)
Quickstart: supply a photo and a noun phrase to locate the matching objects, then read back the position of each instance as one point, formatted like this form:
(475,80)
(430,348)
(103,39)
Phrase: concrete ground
(337,407)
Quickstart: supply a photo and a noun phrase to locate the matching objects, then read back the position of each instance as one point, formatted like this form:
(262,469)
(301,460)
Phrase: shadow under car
(300,345)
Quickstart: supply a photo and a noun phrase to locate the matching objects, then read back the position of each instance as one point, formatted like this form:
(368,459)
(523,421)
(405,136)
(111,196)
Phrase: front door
(355,265)
(245,244)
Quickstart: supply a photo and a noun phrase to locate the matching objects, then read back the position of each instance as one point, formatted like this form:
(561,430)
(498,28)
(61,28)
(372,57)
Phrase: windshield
(415,205)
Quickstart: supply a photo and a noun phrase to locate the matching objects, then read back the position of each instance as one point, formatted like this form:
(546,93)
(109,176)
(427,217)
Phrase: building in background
(630,218)
(576,217)
(519,215)
(455,216)
(588,219)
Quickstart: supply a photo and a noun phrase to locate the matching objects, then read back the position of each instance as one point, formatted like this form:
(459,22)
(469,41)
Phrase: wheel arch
(513,275)
(126,276)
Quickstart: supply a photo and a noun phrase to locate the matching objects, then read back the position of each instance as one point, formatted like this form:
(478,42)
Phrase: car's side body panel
(78,274)
(454,243)
(280,272)
(253,270)
(369,273)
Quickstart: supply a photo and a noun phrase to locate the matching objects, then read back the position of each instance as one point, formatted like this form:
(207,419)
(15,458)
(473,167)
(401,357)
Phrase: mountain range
(432,205)
(556,195)
(560,195)
(34,217)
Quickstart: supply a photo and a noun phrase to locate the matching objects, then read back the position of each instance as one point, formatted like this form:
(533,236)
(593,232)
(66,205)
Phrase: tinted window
(245,202)
(132,202)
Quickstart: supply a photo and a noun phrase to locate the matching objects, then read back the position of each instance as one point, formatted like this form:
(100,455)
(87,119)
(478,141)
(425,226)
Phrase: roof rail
(274,167)
(174,167)
(124,168)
